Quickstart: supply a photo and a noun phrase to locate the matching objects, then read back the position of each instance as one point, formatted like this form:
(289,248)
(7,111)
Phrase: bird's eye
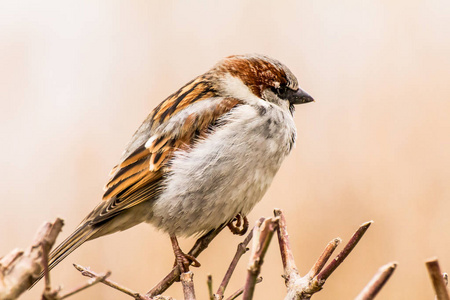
(281,91)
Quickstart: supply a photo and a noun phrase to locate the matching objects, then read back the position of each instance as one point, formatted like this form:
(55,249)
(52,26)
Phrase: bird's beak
(299,97)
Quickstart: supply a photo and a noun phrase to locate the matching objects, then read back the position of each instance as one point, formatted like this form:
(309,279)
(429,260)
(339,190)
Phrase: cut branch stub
(437,279)
(187,280)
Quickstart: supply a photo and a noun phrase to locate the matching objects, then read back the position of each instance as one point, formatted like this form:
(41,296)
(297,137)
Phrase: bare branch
(91,274)
(36,258)
(437,279)
(377,282)
(188,285)
(263,232)
(19,268)
(88,284)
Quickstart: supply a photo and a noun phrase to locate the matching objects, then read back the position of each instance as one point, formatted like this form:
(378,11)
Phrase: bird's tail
(75,240)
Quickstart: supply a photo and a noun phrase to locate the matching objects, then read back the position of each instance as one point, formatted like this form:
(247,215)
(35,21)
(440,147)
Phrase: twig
(209,283)
(91,274)
(241,249)
(263,232)
(200,245)
(241,290)
(285,246)
(437,279)
(88,284)
(344,253)
(19,268)
(322,260)
(377,282)
(188,285)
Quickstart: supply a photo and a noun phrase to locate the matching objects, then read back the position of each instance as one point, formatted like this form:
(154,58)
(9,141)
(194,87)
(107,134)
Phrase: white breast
(225,174)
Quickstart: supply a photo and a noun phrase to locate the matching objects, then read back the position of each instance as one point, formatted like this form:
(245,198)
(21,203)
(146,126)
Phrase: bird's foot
(239,225)
(182,260)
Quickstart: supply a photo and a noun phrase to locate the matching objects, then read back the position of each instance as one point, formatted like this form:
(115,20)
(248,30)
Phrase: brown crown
(257,72)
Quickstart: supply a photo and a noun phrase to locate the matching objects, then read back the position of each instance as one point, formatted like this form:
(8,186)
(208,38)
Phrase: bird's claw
(239,225)
(182,260)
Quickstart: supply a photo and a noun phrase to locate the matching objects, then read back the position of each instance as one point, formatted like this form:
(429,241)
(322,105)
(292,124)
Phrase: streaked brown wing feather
(196,90)
(137,178)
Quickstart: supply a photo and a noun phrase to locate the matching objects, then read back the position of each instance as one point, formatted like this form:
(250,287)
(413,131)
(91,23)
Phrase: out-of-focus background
(78,77)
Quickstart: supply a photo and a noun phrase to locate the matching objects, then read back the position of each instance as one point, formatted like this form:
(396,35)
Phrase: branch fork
(303,287)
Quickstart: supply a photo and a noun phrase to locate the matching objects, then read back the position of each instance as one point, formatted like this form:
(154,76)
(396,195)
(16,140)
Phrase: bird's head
(254,77)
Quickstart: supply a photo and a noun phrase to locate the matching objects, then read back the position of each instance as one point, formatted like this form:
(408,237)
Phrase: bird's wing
(175,124)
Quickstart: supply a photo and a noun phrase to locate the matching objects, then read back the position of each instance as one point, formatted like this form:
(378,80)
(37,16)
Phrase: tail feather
(75,240)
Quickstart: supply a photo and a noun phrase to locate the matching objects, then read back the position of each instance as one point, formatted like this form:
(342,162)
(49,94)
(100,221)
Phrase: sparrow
(204,155)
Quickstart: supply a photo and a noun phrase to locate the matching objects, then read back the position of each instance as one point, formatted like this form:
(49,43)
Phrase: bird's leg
(183,260)
(240,221)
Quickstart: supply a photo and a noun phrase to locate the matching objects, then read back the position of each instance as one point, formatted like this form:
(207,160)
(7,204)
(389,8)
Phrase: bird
(203,156)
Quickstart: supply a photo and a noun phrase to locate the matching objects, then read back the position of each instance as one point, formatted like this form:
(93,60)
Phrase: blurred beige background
(78,77)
